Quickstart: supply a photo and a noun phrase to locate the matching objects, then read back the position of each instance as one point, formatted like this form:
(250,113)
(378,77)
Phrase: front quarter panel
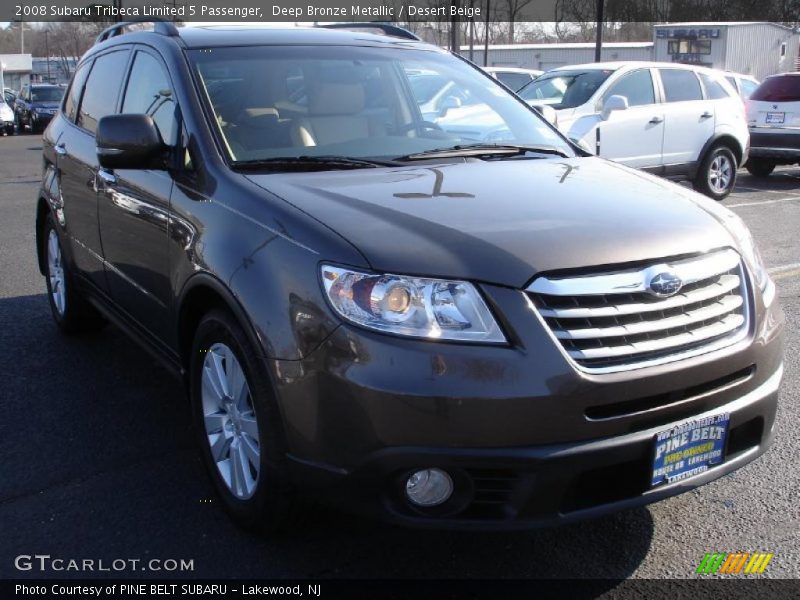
(266,254)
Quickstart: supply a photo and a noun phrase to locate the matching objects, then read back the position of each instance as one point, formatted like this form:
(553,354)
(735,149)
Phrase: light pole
(598,45)
(47,51)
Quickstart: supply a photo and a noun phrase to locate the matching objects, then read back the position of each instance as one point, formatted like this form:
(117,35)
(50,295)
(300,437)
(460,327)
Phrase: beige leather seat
(335,116)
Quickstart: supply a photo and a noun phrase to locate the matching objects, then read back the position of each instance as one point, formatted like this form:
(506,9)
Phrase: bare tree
(511,10)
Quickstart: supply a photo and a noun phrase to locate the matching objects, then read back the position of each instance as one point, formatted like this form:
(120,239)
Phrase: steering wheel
(418,125)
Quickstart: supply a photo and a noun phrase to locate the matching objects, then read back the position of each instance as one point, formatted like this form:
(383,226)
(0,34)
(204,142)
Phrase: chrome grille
(613,320)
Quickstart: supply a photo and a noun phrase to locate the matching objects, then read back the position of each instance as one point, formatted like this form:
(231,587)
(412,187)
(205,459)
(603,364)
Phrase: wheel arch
(42,211)
(722,139)
(202,293)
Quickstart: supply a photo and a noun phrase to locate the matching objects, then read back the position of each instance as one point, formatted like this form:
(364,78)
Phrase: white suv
(773,113)
(670,119)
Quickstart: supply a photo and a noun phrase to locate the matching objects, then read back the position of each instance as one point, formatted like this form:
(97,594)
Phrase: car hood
(503,221)
(54,104)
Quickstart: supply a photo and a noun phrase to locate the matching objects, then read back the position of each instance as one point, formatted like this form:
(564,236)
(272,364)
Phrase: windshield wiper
(311,163)
(483,150)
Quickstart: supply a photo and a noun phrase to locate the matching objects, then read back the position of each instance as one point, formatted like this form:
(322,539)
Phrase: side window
(513,80)
(149,92)
(102,89)
(748,87)
(680,85)
(637,87)
(714,90)
(73,97)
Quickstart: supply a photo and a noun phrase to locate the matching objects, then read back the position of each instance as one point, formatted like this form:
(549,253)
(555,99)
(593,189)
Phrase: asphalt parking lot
(98,460)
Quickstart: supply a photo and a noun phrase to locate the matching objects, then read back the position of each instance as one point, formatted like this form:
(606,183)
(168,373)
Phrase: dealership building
(757,49)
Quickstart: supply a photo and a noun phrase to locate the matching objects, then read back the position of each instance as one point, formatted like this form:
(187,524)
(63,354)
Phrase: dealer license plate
(775,118)
(689,449)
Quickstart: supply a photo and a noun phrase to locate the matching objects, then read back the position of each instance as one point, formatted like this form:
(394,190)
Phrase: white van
(670,119)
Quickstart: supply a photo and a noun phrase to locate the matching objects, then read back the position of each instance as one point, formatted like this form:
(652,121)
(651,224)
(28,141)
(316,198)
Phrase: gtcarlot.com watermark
(44,563)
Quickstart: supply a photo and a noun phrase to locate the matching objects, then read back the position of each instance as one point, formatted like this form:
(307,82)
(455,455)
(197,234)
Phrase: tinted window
(102,89)
(149,92)
(74,95)
(47,94)
(783,88)
(748,87)
(637,87)
(714,89)
(565,89)
(680,85)
(513,80)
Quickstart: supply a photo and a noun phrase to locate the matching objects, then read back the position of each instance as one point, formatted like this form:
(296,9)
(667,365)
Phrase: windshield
(303,101)
(565,89)
(47,94)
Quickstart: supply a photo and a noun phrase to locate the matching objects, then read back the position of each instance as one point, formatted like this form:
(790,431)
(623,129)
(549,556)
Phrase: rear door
(776,103)
(688,118)
(634,136)
(134,205)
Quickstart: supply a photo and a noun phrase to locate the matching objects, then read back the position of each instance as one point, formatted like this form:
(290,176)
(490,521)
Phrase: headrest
(258,118)
(336,99)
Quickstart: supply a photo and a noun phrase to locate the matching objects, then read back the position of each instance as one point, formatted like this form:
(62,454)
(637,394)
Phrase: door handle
(656,120)
(107,177)
(61,149)
(706,115)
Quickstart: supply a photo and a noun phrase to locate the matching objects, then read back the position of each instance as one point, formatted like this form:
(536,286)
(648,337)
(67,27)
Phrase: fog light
(429,487)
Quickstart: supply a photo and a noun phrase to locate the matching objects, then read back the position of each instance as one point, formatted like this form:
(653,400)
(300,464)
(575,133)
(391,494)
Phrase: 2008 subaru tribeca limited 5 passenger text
(370,308)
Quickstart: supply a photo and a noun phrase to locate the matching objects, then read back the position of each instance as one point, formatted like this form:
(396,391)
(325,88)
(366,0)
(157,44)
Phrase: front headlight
(748,248)
(412,306)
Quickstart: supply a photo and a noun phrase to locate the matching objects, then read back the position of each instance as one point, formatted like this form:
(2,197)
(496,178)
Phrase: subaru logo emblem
(665,284)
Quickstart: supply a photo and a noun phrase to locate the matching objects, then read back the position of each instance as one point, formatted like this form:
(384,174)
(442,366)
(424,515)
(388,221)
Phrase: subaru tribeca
(370,309)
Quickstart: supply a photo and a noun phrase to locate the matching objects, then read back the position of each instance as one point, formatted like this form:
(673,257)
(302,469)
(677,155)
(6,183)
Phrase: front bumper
(520,430)
(41,120)
(780,145)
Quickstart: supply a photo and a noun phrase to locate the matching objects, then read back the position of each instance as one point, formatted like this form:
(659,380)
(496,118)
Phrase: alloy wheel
(55,271)
(720,173)
(230,421)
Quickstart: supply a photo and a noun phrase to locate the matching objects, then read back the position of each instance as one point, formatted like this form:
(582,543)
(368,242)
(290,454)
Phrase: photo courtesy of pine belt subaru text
(433,309)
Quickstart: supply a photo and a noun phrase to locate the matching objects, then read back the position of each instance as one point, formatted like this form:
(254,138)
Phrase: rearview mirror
(613,103)
(129,142)
(448,103)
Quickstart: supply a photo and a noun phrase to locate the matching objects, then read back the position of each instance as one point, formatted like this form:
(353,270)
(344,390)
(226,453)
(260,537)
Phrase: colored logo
(735,563)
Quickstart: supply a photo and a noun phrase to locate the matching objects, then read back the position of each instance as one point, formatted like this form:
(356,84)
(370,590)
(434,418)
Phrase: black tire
(270,508)
(704,182)
(760,167)
(75,315)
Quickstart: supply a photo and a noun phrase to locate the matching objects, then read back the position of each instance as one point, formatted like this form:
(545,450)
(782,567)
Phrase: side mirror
(582,144)
(129,142)
(447,103)
(613,103)
(549,113)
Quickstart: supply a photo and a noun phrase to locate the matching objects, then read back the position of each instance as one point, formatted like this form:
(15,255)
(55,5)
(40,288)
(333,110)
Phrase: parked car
(36,105)
(744,85)
(513,78)
(673,120)
(10,97)
(369,309)
(6,118)
(773,114)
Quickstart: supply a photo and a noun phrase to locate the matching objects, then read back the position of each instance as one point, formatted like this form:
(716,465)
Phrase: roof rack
(161,27)
(386,28)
